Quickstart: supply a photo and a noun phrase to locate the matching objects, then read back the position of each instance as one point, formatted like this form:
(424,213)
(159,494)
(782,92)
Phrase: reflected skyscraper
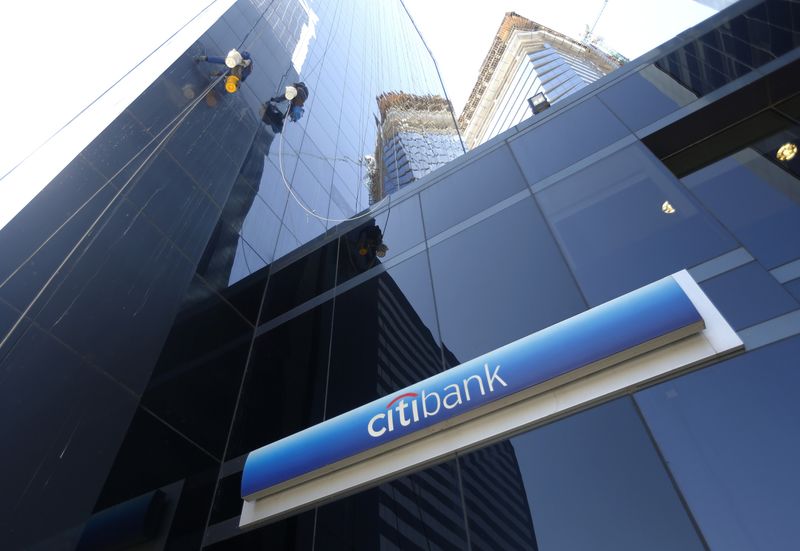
(416,135)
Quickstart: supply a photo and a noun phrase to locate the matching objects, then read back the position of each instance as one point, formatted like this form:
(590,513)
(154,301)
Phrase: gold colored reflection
(667,208)
(786,152)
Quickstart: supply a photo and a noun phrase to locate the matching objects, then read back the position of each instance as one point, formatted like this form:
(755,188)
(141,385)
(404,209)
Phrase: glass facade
(159,325)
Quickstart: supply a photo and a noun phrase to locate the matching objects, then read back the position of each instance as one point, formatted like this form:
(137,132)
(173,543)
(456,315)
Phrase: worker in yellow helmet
(239,65)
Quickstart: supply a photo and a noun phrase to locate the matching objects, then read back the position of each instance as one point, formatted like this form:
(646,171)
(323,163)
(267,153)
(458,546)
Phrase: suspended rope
(168,131)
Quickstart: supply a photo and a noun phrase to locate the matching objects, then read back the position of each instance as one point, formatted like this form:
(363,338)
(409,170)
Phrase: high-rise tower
(526,59)
(416,135)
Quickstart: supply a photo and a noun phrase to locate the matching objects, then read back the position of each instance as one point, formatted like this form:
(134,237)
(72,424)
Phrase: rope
(308,210)
(170,128)
(185,113)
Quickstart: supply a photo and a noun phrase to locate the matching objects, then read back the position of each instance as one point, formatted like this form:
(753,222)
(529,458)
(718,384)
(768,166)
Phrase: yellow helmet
(232,84)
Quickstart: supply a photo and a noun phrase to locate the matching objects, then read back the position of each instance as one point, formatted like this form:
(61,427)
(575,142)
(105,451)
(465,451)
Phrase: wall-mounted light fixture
(786,152)
(538,103)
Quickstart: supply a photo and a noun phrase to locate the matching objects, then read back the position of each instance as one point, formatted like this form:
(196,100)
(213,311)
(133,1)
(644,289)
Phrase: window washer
(296,94)
(240,65)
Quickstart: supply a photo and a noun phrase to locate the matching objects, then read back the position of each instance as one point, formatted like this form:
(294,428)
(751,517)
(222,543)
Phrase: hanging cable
(91,227)
(310,211)
(170,128)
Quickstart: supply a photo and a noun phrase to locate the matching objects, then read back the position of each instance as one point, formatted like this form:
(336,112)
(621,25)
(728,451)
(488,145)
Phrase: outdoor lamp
(786,152)
(538,103)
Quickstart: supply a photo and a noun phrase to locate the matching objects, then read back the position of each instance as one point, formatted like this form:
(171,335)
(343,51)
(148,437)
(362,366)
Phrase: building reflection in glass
(416,135)
(408,351)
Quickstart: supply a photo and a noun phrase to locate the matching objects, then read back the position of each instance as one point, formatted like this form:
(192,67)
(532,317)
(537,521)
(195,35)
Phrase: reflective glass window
(645,96)
(497,504)
(385,336)
(206,351)
(155,458)
(625,221)
(556,144)
(128,279)
(300,281)
(376,240)
(729,435)
(500,280)
(595,481)
(757,200)
(418,512)
(64,421)
(284,386)
(471,189)
(793,287)
(748,295)
(295,533)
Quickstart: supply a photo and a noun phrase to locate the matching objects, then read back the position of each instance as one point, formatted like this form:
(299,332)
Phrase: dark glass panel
(124,140)
(645,96)
(391,232)
(302,223)
(227,500)
(473,188)
(173,202)
(284,388)
(246,262)
(196,146)
(287,243)
(595,481)
(206,352)
(384,337)
(625,222)
(169,96)
(500,280)
(317,164)
(39,225)
(756,200)
(555,145)
(746,41)
(728,433)
(115,300)
(313,194)
(748,295)
(229,257)
(154,457)
(497,506)
(420,511)
(300,281)
(271,188)
(793,287)
(63,423)
(293,534)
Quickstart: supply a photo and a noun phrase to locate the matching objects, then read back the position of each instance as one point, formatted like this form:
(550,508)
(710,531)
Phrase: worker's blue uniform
(274,113)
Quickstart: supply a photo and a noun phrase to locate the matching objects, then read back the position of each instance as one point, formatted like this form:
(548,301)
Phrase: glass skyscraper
(527,59)
(167,305)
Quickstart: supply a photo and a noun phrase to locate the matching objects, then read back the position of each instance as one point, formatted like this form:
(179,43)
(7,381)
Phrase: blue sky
(459,32)
(64,61)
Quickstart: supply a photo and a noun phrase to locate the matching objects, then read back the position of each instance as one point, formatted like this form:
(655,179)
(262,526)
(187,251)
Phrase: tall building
(416,135)
(526,59)
(145,352)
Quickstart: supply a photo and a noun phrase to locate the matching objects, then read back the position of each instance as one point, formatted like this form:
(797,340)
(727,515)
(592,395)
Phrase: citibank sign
(665,326)
(429,404)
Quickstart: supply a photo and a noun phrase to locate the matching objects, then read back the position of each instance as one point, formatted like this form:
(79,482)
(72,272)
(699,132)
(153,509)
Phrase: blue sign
(632,320)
